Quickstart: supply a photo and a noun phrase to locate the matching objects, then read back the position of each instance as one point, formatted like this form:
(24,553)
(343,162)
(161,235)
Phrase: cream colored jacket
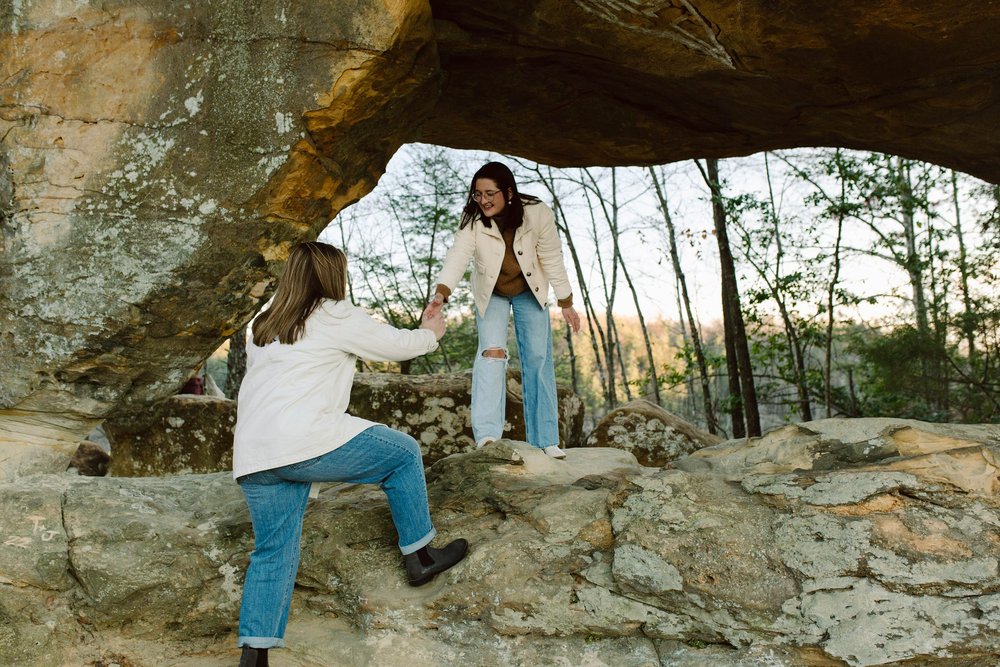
(293,401)
(537,247)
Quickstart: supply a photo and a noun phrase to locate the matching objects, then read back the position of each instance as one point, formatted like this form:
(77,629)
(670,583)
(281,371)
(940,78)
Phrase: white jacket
(293,401)
(537,247)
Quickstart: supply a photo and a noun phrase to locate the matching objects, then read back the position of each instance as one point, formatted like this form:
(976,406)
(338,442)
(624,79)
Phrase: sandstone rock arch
(157,160)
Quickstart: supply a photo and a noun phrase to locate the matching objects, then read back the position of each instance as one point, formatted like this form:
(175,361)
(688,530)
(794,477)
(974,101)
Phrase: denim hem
(260,642)
(419,544)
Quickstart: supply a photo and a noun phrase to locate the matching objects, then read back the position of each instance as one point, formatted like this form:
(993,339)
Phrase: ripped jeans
(533,332)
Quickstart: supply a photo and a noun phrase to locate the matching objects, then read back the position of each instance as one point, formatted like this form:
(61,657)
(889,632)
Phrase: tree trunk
(645,332)
(939,317)
(236,363)
(913,263)
(731,303)
(572,361)
(610,342)
(691,394)
(915,270)
(831,293)
(732,369)
(621,360)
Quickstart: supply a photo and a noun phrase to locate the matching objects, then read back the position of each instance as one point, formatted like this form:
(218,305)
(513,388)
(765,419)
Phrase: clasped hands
(432,317)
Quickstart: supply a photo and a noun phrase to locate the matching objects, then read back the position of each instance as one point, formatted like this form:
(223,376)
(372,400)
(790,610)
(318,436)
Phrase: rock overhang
(592,82)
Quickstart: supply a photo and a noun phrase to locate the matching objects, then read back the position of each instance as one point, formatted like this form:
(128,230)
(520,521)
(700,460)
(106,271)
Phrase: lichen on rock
(594,557)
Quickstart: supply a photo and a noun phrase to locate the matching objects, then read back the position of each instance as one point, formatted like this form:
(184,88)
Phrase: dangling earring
(509,200)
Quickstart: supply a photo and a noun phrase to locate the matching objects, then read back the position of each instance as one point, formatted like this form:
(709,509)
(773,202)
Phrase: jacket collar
(493,230)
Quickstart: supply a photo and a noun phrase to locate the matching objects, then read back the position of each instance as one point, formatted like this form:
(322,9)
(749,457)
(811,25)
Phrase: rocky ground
(850,542)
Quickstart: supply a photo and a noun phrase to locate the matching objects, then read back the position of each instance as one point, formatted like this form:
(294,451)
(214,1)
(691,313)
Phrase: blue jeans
(533,333)
(277,502)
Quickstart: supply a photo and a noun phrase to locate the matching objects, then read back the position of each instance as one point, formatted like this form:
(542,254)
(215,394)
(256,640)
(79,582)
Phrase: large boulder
(434,409)
(194,434)
(654,436)
(186,433)
(963,456)
(95,553)
(862,543)
(157,159)
(32,450)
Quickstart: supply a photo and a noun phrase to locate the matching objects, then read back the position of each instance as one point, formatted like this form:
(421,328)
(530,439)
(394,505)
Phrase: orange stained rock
(912,442)
(933,539)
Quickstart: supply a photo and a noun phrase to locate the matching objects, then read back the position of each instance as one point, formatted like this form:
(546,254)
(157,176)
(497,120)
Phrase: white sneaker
(484,441)
(555,452)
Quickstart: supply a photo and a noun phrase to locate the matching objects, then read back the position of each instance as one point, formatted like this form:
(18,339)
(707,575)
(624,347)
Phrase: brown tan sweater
(511,281)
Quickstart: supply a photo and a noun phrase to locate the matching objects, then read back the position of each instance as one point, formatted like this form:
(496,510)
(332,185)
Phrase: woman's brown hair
(500,174)
(314,271)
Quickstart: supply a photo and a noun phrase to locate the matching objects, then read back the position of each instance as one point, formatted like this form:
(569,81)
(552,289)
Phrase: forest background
(738,294)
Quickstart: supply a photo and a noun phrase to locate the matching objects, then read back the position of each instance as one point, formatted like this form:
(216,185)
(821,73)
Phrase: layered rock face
(861,542)
(156,162)
(180,434)
(157,159)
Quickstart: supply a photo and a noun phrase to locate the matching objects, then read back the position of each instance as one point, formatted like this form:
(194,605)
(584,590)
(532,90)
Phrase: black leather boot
(253,657)
(423,564)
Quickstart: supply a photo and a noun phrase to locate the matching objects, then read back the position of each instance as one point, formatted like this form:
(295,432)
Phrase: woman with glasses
(518,255)
(292,429)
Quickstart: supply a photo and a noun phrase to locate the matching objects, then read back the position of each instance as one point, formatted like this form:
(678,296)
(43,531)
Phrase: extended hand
(572,318)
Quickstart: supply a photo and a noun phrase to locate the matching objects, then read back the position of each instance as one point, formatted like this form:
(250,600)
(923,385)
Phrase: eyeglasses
(487,194)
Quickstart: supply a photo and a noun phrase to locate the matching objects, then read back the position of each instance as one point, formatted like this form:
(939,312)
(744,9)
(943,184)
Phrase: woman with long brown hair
(511,238)
(292,429)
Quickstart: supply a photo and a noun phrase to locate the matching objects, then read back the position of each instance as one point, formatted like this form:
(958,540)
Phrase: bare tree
(777,294)
(611,214)
(611,347)
(547,180)
(968,320)
(846,204)
(839,213)
(695,336)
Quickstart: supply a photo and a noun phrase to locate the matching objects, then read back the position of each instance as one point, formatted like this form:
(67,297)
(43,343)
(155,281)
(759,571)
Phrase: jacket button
(536,289)
(519,252)
(529,274)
